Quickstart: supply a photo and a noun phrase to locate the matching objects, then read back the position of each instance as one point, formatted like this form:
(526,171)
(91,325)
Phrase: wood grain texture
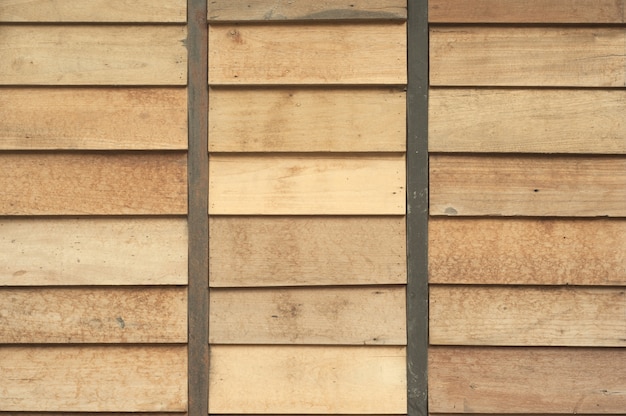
(305,379)
(93,55)
(296,251)
(528,56)
(307,120)
(373,53)
(516,251)
(525,120)
(93,183)
(93,378)
(307,184)
(93,118)
(527,380)
(528,185)
(327,316)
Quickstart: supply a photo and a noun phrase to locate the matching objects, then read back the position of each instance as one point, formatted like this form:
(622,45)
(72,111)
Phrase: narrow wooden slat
(306,185)
(527,380)
(528,56)
(361,316)
(305,380)
(93,183)
(527,185)
(307,120)
(93,414)
(93,118)
(92,55)
(93,378)
(373,53)
(524,120)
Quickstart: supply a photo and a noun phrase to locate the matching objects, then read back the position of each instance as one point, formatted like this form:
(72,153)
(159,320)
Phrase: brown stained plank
(528,56)
(527,251)
(373,53)
(93,118)
(528,186)
(527,380)
(524,120)
(307,120)
(93,183)
(92,55)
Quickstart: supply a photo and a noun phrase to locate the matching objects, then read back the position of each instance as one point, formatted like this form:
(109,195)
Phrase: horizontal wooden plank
(516,251)
(94,414)
(373,53)
(93,378)
(296,251)
(307,120)
(356,315)
(306,184)
(93,55)
(307,379)
(528,185)
(527,316)
(528,56)
(93,118)
(93,183)
(527,380)
(525,120)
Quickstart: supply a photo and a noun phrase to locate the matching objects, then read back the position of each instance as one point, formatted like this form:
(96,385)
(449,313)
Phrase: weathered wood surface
(93,55)
(296,251)
(528,56)
(373,53)
(327,316)
(527,380)
(93,118)
(93,378)
(526,120)
(307,185)
(528,185)
(93,183)
(307,379)
(307,120)
(515,251)
(527,316)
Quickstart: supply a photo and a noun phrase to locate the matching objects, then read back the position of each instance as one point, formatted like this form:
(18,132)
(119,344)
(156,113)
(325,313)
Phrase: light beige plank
(93,118)
(527,185)
(357,315)
(527,380)
(373,53)
(528,56)
(93,183)
(307,120)
(524,120)
(95,414)
(301,379)
(296,251)
(92,55)
(307,184)
(527,251)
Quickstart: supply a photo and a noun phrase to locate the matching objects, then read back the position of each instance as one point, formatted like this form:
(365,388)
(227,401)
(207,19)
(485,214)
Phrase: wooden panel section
(373,53)
(527,251)
(301,380)
(93,378)
(542,120)
(528,56)
(294,251)
(527,380)
(362,315)
(307,185)
(90,118)
(93,183)
(88,55)
(523,185)
(528,316)
(307,120)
